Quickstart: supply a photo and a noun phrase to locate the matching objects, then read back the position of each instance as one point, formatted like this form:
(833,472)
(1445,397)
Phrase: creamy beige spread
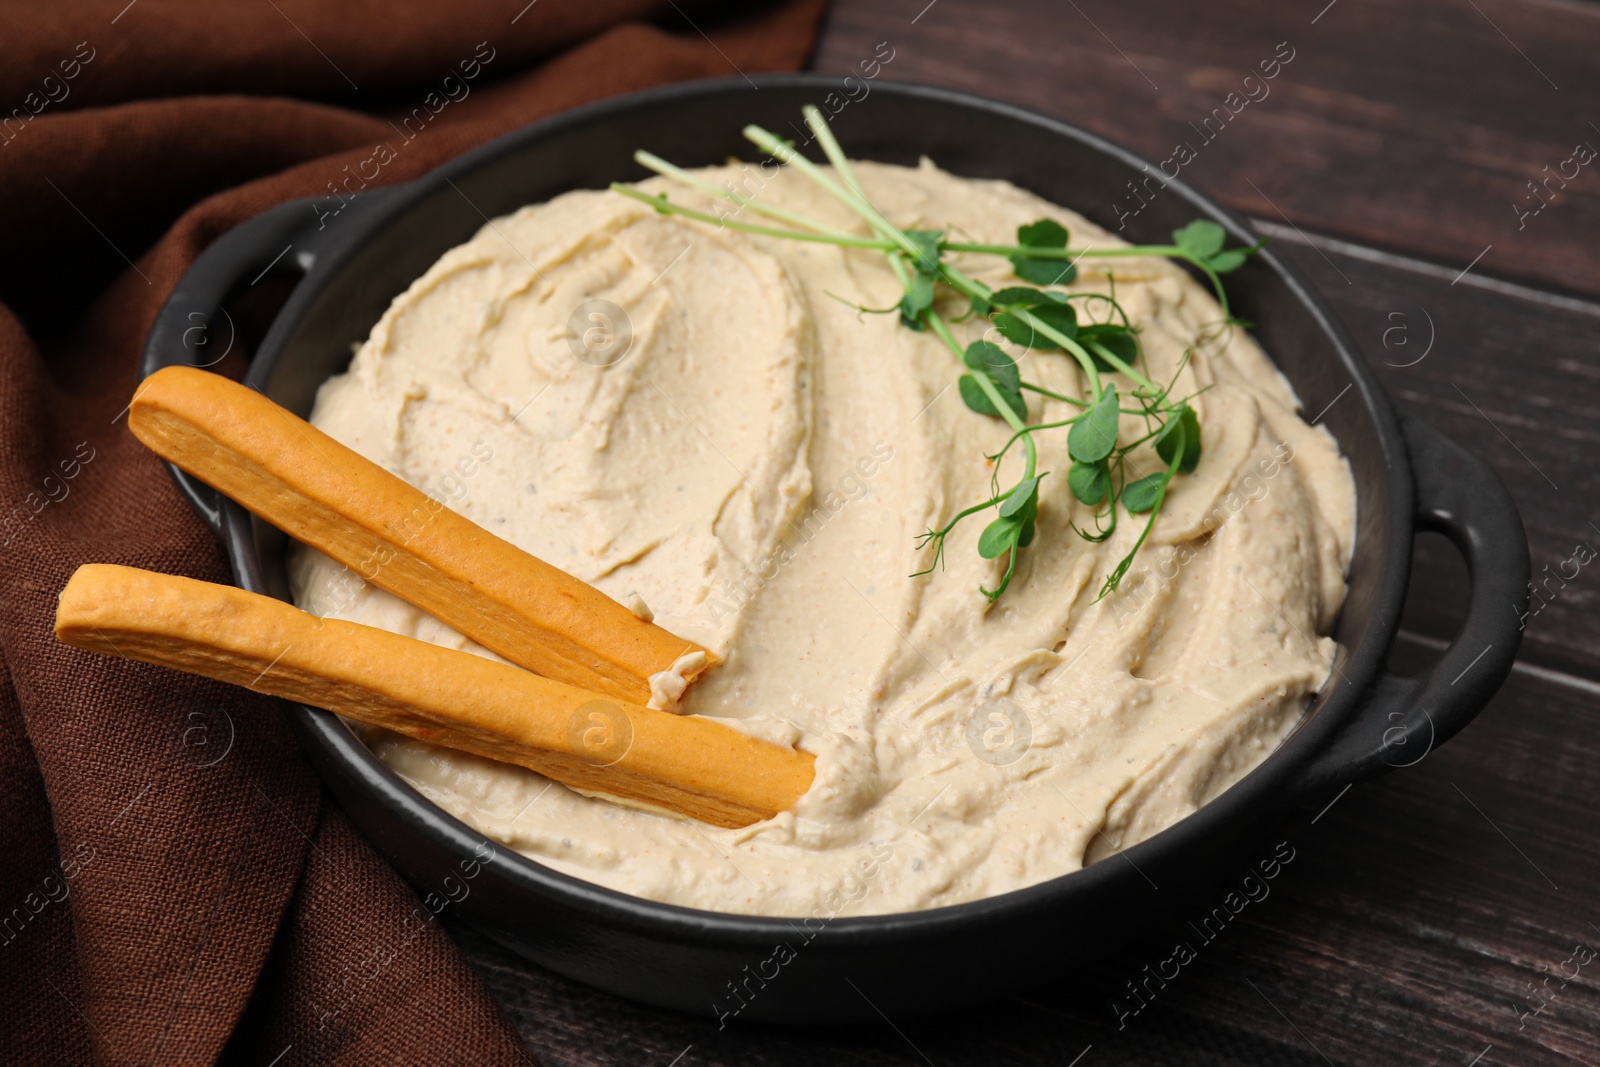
(750,460)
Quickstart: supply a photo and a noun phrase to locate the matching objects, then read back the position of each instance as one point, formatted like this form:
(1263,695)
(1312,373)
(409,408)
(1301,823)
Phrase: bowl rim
(1329,712)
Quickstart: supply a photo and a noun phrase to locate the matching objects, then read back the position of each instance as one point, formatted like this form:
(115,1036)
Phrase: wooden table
(1429,912)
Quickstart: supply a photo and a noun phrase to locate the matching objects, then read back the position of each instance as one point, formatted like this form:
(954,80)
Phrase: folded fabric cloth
(175,889)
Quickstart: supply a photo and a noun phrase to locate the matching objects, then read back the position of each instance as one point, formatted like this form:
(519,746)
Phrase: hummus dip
(702,423)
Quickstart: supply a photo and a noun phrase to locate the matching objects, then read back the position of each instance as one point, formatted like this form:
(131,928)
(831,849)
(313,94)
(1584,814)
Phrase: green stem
(1039,252)
(1030,429)
(974,288)
(897,265)
(841,162)
(1074,401)
(841,165)
(971,287)
(937,325)
(857,199)
(667,207)
(1116,361)
(1042,391)
(678,174)
(1114,579)
(1034,252)
(784,153)
(1170,252)
(997,499)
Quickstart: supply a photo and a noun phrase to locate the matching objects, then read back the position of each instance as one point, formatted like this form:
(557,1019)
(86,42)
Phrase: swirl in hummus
(751,464)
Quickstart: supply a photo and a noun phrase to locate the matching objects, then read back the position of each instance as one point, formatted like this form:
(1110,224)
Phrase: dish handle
(193,326)
(1404,719)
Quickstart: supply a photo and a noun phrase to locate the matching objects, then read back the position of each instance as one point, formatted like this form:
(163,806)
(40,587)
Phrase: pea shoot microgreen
(1103,474)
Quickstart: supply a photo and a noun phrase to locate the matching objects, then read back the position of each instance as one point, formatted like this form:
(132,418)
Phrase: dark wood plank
(1415,912)
(1403,125)
(1513,378)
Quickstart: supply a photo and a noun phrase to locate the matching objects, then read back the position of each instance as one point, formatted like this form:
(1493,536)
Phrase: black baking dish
(354,254)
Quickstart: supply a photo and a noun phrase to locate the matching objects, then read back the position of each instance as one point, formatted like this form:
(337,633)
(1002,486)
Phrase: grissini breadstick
(322,493)
(682,763)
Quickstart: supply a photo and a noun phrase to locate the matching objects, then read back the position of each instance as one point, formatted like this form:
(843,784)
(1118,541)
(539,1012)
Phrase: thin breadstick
(326,495)
(685,764)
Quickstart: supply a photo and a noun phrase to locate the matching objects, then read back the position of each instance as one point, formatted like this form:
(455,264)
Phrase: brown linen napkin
(174,889)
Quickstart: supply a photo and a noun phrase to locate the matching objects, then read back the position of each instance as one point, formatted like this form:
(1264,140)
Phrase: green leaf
(993,361)
(1022,495)
(1014,329)
(1089,482)
(1043,234)
(1119,339)
(1022,507)
(1021,295)
(1140,496)
(997,537)
(977,305)
(1094,436)
(1046,233)
(1167,439)
(1058,317)
(1202,238)
(917,299)
(1223,262)
(974,397)
(1044,271)
(926,260)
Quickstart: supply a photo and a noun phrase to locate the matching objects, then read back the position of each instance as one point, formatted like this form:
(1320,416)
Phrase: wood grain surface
(1402,125)
(1426,913)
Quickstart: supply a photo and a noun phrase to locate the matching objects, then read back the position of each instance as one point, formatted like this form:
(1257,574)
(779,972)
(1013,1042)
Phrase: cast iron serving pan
(353,255)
